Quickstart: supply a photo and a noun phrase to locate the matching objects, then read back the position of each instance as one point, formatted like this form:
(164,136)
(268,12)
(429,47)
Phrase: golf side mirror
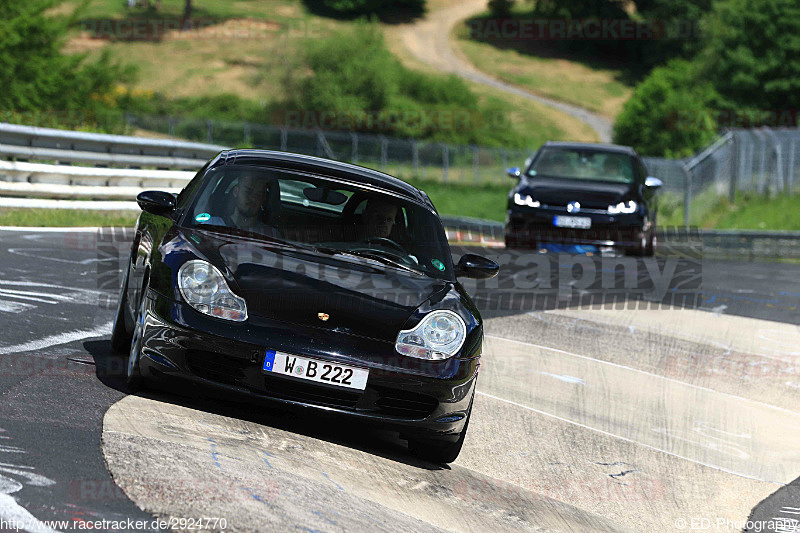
(653,183)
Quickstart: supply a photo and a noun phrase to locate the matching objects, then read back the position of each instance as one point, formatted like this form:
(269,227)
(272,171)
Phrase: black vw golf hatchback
(583,194)
(309,282)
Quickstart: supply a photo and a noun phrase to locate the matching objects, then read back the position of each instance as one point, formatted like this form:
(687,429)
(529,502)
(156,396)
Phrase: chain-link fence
(757,160)
(402,157)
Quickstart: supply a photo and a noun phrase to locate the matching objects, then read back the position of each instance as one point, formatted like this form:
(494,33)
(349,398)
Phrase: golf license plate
(572,222)
(314,370)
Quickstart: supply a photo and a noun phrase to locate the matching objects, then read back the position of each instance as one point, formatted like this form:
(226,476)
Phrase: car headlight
(204,288)
(625,208)
(438,336)
(526,200)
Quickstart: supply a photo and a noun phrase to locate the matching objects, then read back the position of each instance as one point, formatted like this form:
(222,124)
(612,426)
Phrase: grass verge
(595,87)
(66,218)
(481,201)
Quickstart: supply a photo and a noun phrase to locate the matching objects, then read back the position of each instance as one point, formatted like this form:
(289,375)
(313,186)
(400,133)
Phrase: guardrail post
(171,126)
(209,132)
(354,148)
(384,149)
(284,139)
(475,164)
(687,195)
(445,162)
(779,168)
(762,178)
(415,157)
(790,176)
(735,156)
(247,134)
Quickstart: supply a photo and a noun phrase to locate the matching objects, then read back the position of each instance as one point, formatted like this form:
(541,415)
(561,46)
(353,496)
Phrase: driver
(378,218)
(250,194)
(559,164)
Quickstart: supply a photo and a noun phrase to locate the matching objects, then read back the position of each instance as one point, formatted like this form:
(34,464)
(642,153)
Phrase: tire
(641,248)
(652,243)
(120,338)
(513,241)
(133,376)
(439,450)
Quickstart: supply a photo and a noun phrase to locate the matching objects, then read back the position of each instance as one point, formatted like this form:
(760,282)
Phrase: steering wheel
(386,242)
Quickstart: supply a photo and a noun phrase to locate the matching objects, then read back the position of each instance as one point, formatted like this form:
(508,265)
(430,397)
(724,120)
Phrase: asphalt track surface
(590,416)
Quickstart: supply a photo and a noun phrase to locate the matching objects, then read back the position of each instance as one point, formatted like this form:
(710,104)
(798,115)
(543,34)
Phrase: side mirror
(653,183)
(156,202)
(514,172)
(476,267)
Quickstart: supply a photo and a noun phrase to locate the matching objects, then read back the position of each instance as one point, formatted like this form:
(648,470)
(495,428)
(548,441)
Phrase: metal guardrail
(28,142)
(742,244)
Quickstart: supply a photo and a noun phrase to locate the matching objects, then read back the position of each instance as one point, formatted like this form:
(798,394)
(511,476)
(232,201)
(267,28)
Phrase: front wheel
(133,378)
(439,450)
(652,243)
(120,338)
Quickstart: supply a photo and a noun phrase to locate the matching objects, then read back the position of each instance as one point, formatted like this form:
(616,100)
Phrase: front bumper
(416,397)
(535,226)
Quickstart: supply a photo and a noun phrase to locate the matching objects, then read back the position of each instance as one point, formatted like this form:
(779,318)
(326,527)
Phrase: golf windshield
(323,215)
(583,165)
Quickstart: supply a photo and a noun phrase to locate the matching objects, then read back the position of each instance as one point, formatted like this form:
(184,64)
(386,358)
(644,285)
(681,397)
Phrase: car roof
(325,167)
(600,147)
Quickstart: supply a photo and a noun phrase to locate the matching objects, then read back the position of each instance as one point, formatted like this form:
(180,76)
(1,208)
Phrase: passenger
(613,168)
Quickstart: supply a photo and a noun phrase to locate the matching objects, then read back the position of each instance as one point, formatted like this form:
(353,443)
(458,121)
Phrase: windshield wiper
(373,256)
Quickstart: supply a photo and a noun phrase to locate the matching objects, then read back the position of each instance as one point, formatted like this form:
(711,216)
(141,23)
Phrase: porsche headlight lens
(204,288)
(438,336)
(625,208)
(526,200)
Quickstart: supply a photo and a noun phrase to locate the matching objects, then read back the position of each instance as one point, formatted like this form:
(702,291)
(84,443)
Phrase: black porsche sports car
(586,194)
(309,282)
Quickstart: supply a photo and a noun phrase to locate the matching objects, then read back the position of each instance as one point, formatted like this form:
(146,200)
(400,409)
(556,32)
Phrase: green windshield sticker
(438,264)
(203,217)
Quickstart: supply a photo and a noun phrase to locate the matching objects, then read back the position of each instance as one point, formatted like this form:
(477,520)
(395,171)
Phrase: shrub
(501,8)
(355,78)
(669,113)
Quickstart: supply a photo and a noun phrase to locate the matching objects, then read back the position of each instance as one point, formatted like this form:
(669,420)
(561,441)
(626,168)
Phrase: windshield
(328,216)
(583,164)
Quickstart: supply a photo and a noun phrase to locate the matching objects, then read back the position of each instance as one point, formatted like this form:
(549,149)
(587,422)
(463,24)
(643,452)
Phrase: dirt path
(429,41)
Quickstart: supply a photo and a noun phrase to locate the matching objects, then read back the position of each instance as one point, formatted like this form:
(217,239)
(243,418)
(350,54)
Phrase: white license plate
(572,222)
(315,370)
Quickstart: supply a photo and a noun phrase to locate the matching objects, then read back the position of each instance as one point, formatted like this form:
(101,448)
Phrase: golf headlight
(625,208)
(438,336)
(526,200)
(204,288)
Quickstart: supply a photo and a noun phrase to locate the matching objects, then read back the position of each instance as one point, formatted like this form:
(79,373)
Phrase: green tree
(680,22)
(38,78)
(350,8)
(670,113)
(752,53)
